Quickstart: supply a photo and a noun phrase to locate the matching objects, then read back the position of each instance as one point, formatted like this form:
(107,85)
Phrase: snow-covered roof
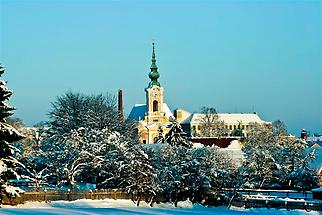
(139,110)
(167,111)
(233,118)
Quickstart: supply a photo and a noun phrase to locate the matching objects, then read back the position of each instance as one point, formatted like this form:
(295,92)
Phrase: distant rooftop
(232,118)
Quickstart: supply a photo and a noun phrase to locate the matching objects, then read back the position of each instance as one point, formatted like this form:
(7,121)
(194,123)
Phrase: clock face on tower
(155,94)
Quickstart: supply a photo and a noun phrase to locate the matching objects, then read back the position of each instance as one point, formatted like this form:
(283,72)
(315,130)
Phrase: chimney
(304,134)
(120,103)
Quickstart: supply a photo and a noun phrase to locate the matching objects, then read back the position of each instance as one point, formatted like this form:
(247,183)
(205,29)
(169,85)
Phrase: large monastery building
(155,113)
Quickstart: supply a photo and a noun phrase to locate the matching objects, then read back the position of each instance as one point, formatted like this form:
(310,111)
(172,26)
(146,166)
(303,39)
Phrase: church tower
(154,94)
(155,113)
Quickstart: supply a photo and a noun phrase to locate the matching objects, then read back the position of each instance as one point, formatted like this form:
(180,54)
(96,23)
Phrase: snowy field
(110,206)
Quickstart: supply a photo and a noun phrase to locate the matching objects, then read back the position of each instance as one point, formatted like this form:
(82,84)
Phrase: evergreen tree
(176,136)
(8,135)
(160,138)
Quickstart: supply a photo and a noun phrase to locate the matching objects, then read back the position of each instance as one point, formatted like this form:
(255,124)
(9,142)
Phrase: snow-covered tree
(8,135)
(138,175)
(160,138)
(161,162)
(108,160)
(67,158)
(78,126)
(32,155)
(295,162)
(260,167)
(176,136)
(273,159)
(74,110)
(211,125)
(15,122)
(210,171)
(192,173)
(303,177)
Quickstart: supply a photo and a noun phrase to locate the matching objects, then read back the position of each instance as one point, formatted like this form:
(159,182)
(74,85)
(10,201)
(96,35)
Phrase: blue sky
(237,56)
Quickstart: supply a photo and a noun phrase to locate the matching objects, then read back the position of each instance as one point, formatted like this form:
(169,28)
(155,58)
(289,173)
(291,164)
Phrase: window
(155,120)
(155,106)
(144,141)
(243,126)
(234,126)
(230,127)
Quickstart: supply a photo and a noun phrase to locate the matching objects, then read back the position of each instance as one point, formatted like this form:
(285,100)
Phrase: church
(155,113)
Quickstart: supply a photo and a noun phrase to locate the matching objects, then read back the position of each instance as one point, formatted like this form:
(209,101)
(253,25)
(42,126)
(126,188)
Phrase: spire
(153,65)
(154,74)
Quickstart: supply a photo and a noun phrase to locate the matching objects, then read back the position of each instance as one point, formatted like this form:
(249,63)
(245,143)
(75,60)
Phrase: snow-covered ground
(110,206)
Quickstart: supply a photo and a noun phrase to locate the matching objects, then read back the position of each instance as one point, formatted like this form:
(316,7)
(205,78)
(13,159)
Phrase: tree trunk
(262,183)
(152,200)
(37,185)
(71,183)
(232,198)
(139,199)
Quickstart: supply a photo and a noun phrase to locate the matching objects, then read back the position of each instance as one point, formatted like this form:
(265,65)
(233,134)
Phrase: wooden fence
(64,195)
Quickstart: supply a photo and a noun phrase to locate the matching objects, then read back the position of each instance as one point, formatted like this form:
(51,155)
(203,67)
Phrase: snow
(317,190)
(110,206)
(234,145)
(230,118)
(234,151)
(3,167)
(316,163)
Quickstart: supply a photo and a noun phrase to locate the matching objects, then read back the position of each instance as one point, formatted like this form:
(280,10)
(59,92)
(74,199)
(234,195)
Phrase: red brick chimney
(303,134)
(120,103)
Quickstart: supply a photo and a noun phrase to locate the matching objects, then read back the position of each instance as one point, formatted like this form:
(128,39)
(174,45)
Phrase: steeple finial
(154,74)
(153,65)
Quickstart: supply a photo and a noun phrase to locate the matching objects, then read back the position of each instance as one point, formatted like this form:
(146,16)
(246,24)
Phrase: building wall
(193,129)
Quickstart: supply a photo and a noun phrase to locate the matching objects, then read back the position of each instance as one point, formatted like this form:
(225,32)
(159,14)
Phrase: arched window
(155,106)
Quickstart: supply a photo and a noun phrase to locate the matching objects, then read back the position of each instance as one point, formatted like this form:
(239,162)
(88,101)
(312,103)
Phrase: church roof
(233,118)
(139,111)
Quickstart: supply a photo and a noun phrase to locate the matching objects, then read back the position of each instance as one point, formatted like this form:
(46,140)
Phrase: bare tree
(279,128)
(210,124)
